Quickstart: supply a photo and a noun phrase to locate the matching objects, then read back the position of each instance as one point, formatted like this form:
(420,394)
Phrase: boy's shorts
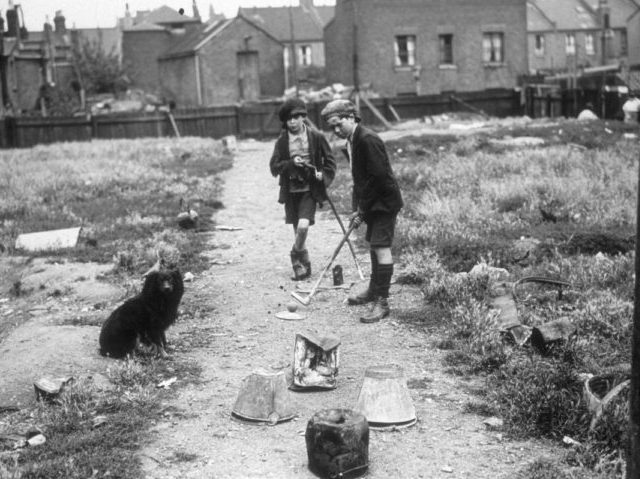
(380,229)
(299,206)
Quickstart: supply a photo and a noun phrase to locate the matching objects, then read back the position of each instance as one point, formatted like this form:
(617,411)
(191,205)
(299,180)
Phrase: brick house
(222,63)
(404,47)
(31,62)
(571,35)
(146,36)
(301,29)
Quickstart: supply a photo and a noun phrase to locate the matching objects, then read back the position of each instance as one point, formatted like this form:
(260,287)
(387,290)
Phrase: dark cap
(340,108)
(291,107)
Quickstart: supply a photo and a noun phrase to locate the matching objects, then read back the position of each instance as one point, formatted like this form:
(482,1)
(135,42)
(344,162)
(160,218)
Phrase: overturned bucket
(337,443)
(264,397)
(384,398)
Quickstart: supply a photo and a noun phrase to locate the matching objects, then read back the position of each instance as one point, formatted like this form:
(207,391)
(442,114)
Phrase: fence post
(238,120)
(94,126)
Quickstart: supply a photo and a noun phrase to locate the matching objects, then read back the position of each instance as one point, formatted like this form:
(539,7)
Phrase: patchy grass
(564,210)
(125,194)
(78,445)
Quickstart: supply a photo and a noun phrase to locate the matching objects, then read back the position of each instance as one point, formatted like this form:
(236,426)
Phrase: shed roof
(202,34)
(164,15)
(308,21)
(565,15)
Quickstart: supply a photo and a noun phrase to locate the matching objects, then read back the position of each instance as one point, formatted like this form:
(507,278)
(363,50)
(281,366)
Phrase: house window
(539,46)
(304,55)
(624,48)
(405,50)
(446,49)
(570,44)
(589,44)
(493,47)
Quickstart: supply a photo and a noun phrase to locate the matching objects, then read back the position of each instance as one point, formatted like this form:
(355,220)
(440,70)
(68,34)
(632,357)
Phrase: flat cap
(339,107)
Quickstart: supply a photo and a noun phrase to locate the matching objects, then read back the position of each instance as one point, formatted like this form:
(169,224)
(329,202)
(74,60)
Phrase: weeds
(78,446)
(124,194)
(574,200)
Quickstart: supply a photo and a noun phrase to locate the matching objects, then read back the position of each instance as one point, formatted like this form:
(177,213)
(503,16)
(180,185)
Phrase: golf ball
(292,307)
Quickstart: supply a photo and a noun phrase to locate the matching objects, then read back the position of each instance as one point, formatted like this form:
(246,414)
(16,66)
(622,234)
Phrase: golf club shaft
(306,300)
(344,230)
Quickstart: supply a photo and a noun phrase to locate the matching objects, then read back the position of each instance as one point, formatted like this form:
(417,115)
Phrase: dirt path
(250,283)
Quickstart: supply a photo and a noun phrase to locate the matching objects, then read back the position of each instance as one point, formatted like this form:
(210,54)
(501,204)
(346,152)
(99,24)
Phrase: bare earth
(248,282)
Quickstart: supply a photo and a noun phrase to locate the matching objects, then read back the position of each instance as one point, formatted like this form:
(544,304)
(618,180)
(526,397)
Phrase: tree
(99,71)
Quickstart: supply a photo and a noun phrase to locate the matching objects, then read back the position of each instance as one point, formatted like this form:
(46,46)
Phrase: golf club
(305,300)
(344,230)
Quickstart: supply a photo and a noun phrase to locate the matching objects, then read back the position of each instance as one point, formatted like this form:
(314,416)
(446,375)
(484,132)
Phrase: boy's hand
(298,161)
(355,219)
(318,175)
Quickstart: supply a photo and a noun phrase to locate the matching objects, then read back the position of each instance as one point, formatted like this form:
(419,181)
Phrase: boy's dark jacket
(321,156)
(375,188)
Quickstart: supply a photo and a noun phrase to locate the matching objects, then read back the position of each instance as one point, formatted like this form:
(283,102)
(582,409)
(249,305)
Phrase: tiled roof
(620,10)
(536,19)
(165,15)
(187,44)
(308,23)
(193,39)
(566,14)
(144,27)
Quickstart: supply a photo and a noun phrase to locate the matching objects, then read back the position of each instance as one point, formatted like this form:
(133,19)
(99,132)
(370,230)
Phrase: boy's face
(295,122)
(342,126)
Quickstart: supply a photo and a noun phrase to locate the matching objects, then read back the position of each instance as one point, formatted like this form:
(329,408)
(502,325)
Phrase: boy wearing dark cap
(376,201)
(303,160)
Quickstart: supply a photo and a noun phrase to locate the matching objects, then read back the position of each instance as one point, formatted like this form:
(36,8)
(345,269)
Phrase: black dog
(145,317)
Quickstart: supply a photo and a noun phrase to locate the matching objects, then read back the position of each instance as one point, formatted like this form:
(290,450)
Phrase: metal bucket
(384,398)
(264,397)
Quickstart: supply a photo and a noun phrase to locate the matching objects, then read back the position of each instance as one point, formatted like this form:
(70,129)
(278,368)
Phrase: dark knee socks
(383,280)
(374,271)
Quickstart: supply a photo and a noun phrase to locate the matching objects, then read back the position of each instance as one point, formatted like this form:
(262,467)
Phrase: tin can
(337,275)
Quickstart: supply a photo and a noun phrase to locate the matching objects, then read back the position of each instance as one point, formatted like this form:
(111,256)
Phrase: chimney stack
(58,22)
(12,21)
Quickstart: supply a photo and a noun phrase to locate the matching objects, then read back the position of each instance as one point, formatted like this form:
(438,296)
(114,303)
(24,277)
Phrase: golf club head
(305,301)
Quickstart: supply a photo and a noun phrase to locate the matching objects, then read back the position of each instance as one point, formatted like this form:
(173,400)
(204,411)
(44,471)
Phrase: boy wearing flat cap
(303,160)
(376,201)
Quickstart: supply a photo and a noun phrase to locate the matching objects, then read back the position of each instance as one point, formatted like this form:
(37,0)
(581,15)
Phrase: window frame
(409,50)
(570,44)
(539,45)
(589,44)
(305,55)
(490,47)
(624,42)
(445,49)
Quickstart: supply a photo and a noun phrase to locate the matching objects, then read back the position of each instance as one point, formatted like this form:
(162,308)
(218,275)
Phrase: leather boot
(368,295)
(363,297)
(379,309)
(299,270)
(306,262)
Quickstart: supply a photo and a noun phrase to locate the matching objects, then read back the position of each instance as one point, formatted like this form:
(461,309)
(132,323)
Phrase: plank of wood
(376,112)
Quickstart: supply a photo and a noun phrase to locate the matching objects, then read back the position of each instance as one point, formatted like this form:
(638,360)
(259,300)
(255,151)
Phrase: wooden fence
(258,120)
(569,103)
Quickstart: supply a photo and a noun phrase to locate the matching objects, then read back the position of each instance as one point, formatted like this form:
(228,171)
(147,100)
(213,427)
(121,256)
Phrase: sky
(103,13)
